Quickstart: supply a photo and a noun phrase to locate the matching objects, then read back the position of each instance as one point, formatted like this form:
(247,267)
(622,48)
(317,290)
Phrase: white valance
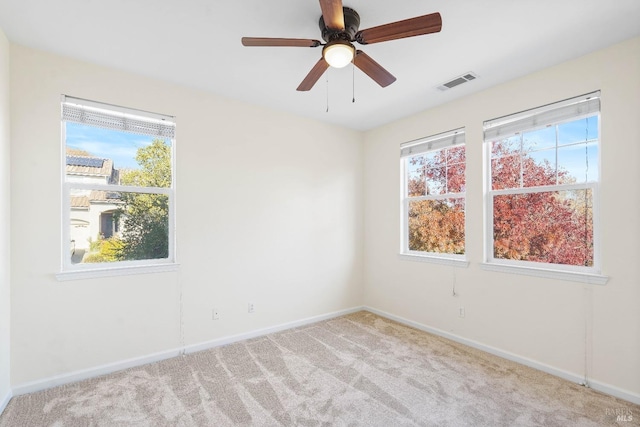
(432,143)
(537,118)
(117,118)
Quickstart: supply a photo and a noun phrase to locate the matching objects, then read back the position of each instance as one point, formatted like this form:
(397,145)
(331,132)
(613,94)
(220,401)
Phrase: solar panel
(91,162)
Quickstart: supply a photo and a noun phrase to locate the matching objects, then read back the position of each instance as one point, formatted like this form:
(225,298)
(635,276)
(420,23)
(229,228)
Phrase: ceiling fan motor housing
(342,32)
(351,25)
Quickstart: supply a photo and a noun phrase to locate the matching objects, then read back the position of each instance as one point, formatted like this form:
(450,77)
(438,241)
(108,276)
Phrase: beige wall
(5,266)
(533,318)
(269,210)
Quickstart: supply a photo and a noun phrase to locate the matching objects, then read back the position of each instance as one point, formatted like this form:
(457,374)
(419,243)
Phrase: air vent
(458,81)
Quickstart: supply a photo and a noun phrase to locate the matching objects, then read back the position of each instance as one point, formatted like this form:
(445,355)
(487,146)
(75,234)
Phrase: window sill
(572,276)
(115,271)
(456,262)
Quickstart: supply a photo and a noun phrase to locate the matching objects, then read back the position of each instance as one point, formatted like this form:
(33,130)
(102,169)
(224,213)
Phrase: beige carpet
(356,370)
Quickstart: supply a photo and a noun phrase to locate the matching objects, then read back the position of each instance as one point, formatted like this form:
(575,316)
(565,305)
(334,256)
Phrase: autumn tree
(437,225)
(543,226)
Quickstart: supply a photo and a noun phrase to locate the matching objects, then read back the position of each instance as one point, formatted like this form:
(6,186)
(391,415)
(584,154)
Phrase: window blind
(431,143)
(117,118)
(537,118)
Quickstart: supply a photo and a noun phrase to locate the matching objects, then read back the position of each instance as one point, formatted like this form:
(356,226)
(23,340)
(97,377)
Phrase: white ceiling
(197,43)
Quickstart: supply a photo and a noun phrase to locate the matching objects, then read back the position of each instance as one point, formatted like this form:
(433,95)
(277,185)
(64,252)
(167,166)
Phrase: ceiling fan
(339,27)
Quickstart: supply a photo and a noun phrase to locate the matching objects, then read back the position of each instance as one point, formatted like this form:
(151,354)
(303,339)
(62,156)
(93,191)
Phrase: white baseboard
(97,371)
(75,376)
(5,401)
(575,378)
(615,391)
(260,332)
(109,368)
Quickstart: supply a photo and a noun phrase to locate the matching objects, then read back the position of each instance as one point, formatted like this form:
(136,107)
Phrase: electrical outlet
(215,314)
(251,307)
(461,312)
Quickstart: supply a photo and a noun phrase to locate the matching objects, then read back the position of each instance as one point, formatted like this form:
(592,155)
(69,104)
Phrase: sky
(119,146)
(580,160)
(574,149)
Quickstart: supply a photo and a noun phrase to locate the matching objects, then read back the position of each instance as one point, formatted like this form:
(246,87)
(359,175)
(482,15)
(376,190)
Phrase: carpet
(356,370)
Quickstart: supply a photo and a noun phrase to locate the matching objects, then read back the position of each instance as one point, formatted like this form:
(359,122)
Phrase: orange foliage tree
(542,226)
(437,225)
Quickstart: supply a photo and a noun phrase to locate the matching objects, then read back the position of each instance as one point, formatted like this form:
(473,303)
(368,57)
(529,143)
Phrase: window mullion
(543,189)
(446,196)
(556,152)
(118,188)
(521,160)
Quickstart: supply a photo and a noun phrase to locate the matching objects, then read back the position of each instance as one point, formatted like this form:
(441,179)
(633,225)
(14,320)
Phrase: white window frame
(126,119)
(410,149)
(549,115)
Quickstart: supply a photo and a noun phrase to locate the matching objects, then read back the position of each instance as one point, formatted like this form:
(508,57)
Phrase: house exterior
(92,211)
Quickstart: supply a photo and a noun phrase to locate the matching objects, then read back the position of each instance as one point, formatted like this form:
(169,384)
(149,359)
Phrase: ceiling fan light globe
(338,55)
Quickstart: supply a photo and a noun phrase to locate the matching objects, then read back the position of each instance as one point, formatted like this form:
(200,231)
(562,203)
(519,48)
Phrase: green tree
(145,233)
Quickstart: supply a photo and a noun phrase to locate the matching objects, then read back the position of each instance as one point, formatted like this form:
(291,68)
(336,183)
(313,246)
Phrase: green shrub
(105,250)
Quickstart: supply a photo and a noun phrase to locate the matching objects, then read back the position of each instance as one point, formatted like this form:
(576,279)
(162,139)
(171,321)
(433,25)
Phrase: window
(433,197)
(542,187)
(118,190)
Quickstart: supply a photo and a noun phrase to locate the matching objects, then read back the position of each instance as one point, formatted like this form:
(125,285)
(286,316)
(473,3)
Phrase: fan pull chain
(327,74)
(353,79)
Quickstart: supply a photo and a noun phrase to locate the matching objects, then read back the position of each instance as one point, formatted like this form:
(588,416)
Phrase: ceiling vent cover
(467,77)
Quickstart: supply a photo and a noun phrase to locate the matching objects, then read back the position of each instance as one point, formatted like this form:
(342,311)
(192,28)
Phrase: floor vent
(458,81)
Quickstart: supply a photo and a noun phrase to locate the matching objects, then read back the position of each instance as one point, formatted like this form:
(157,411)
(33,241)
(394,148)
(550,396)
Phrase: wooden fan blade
(266,41)
(332,14)
(372,69)
(417,26)
(316,72)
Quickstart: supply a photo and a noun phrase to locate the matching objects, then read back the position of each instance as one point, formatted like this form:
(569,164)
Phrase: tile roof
(96,196)
(80,202)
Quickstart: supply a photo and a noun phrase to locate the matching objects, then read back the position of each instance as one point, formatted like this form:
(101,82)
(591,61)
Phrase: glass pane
(456,164)
(456,155)
(578,130)
(539,168)
(578,163)
(434,158)
(437,226)
(506,147)
(102,156)
(415,162)
(553,227)
(456,179)
(539,139)
(415,182)
(436,180)
(118,226)
(505,172)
